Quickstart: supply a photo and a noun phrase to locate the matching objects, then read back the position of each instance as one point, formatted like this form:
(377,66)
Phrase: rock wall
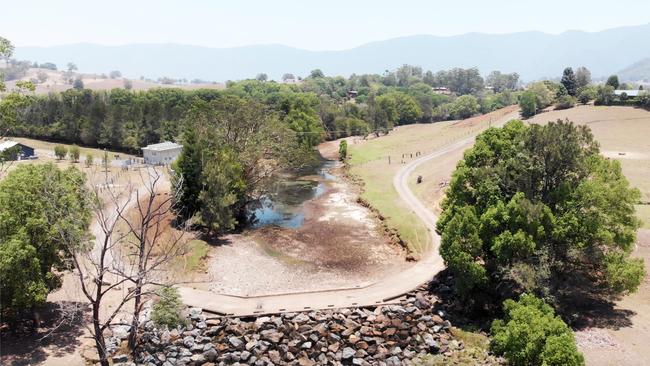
(384,335)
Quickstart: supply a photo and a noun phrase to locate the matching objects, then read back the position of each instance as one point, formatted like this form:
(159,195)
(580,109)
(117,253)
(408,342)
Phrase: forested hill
(532,54)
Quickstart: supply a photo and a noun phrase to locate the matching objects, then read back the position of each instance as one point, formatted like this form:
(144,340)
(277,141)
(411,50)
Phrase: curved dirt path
(383,291)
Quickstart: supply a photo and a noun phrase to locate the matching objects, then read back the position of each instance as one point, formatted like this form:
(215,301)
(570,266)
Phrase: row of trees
(403,96)
(316,108)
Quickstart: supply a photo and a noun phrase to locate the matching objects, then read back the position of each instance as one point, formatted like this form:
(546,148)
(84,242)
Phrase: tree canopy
(537,209)
(531,334)
(232,148)
(569,81)
(36,203)
(613,81)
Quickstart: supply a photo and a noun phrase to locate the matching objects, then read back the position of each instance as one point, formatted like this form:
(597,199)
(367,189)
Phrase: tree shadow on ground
(58,335)
(579,308)
(468,314)
(583,310)
(216,240)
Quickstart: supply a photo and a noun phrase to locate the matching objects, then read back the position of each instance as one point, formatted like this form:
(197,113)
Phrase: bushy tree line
(318,107)
(573,88)
(118,119)
(398,97)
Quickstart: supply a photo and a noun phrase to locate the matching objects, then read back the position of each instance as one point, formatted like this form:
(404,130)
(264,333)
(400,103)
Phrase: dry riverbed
(341,244)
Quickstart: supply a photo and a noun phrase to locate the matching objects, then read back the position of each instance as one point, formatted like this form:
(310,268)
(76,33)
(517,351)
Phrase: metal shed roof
(167,145)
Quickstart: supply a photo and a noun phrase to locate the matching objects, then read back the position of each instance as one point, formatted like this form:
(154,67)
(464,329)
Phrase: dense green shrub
(343,150)
(74,153)
(528,104)
(530,334)
(350,127)
(565,102)
(464,107)
(167,311)
(605,95)
(586,95)
(60,151)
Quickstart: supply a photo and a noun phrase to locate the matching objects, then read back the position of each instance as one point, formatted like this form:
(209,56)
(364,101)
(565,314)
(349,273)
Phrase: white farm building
(163,153)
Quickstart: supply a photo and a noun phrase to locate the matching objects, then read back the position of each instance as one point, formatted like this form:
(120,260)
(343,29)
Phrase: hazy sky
(314,25)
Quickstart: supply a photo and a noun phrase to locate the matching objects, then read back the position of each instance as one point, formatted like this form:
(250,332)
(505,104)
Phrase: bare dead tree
(153,247)
(109,261)
(92,261)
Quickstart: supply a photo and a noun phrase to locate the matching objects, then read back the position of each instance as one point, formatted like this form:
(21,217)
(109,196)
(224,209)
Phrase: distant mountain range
(533,55)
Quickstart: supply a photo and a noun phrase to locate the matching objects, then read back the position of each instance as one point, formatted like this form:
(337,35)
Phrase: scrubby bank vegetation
(531,334)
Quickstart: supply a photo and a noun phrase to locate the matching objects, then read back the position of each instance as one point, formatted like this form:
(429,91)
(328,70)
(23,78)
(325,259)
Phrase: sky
(306,24)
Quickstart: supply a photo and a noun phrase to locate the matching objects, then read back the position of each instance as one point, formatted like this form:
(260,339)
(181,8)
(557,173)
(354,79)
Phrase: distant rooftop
(167,145)
(4,145)
(630,93)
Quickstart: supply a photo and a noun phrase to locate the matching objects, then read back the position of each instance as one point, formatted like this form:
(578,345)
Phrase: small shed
(14,150)
(163,153)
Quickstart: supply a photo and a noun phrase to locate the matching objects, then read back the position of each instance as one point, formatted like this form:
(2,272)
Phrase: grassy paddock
(369,161)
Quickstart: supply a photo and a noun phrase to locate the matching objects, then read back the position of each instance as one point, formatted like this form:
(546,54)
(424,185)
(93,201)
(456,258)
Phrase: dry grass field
(55,82)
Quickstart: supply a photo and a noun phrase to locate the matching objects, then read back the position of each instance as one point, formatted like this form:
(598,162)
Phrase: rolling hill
(532,54)
(638,71)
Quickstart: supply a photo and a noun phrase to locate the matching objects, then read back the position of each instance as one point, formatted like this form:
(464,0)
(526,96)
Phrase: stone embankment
(383,335)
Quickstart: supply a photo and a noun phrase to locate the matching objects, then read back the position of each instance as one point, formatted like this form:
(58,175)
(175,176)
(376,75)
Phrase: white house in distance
(163,153)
